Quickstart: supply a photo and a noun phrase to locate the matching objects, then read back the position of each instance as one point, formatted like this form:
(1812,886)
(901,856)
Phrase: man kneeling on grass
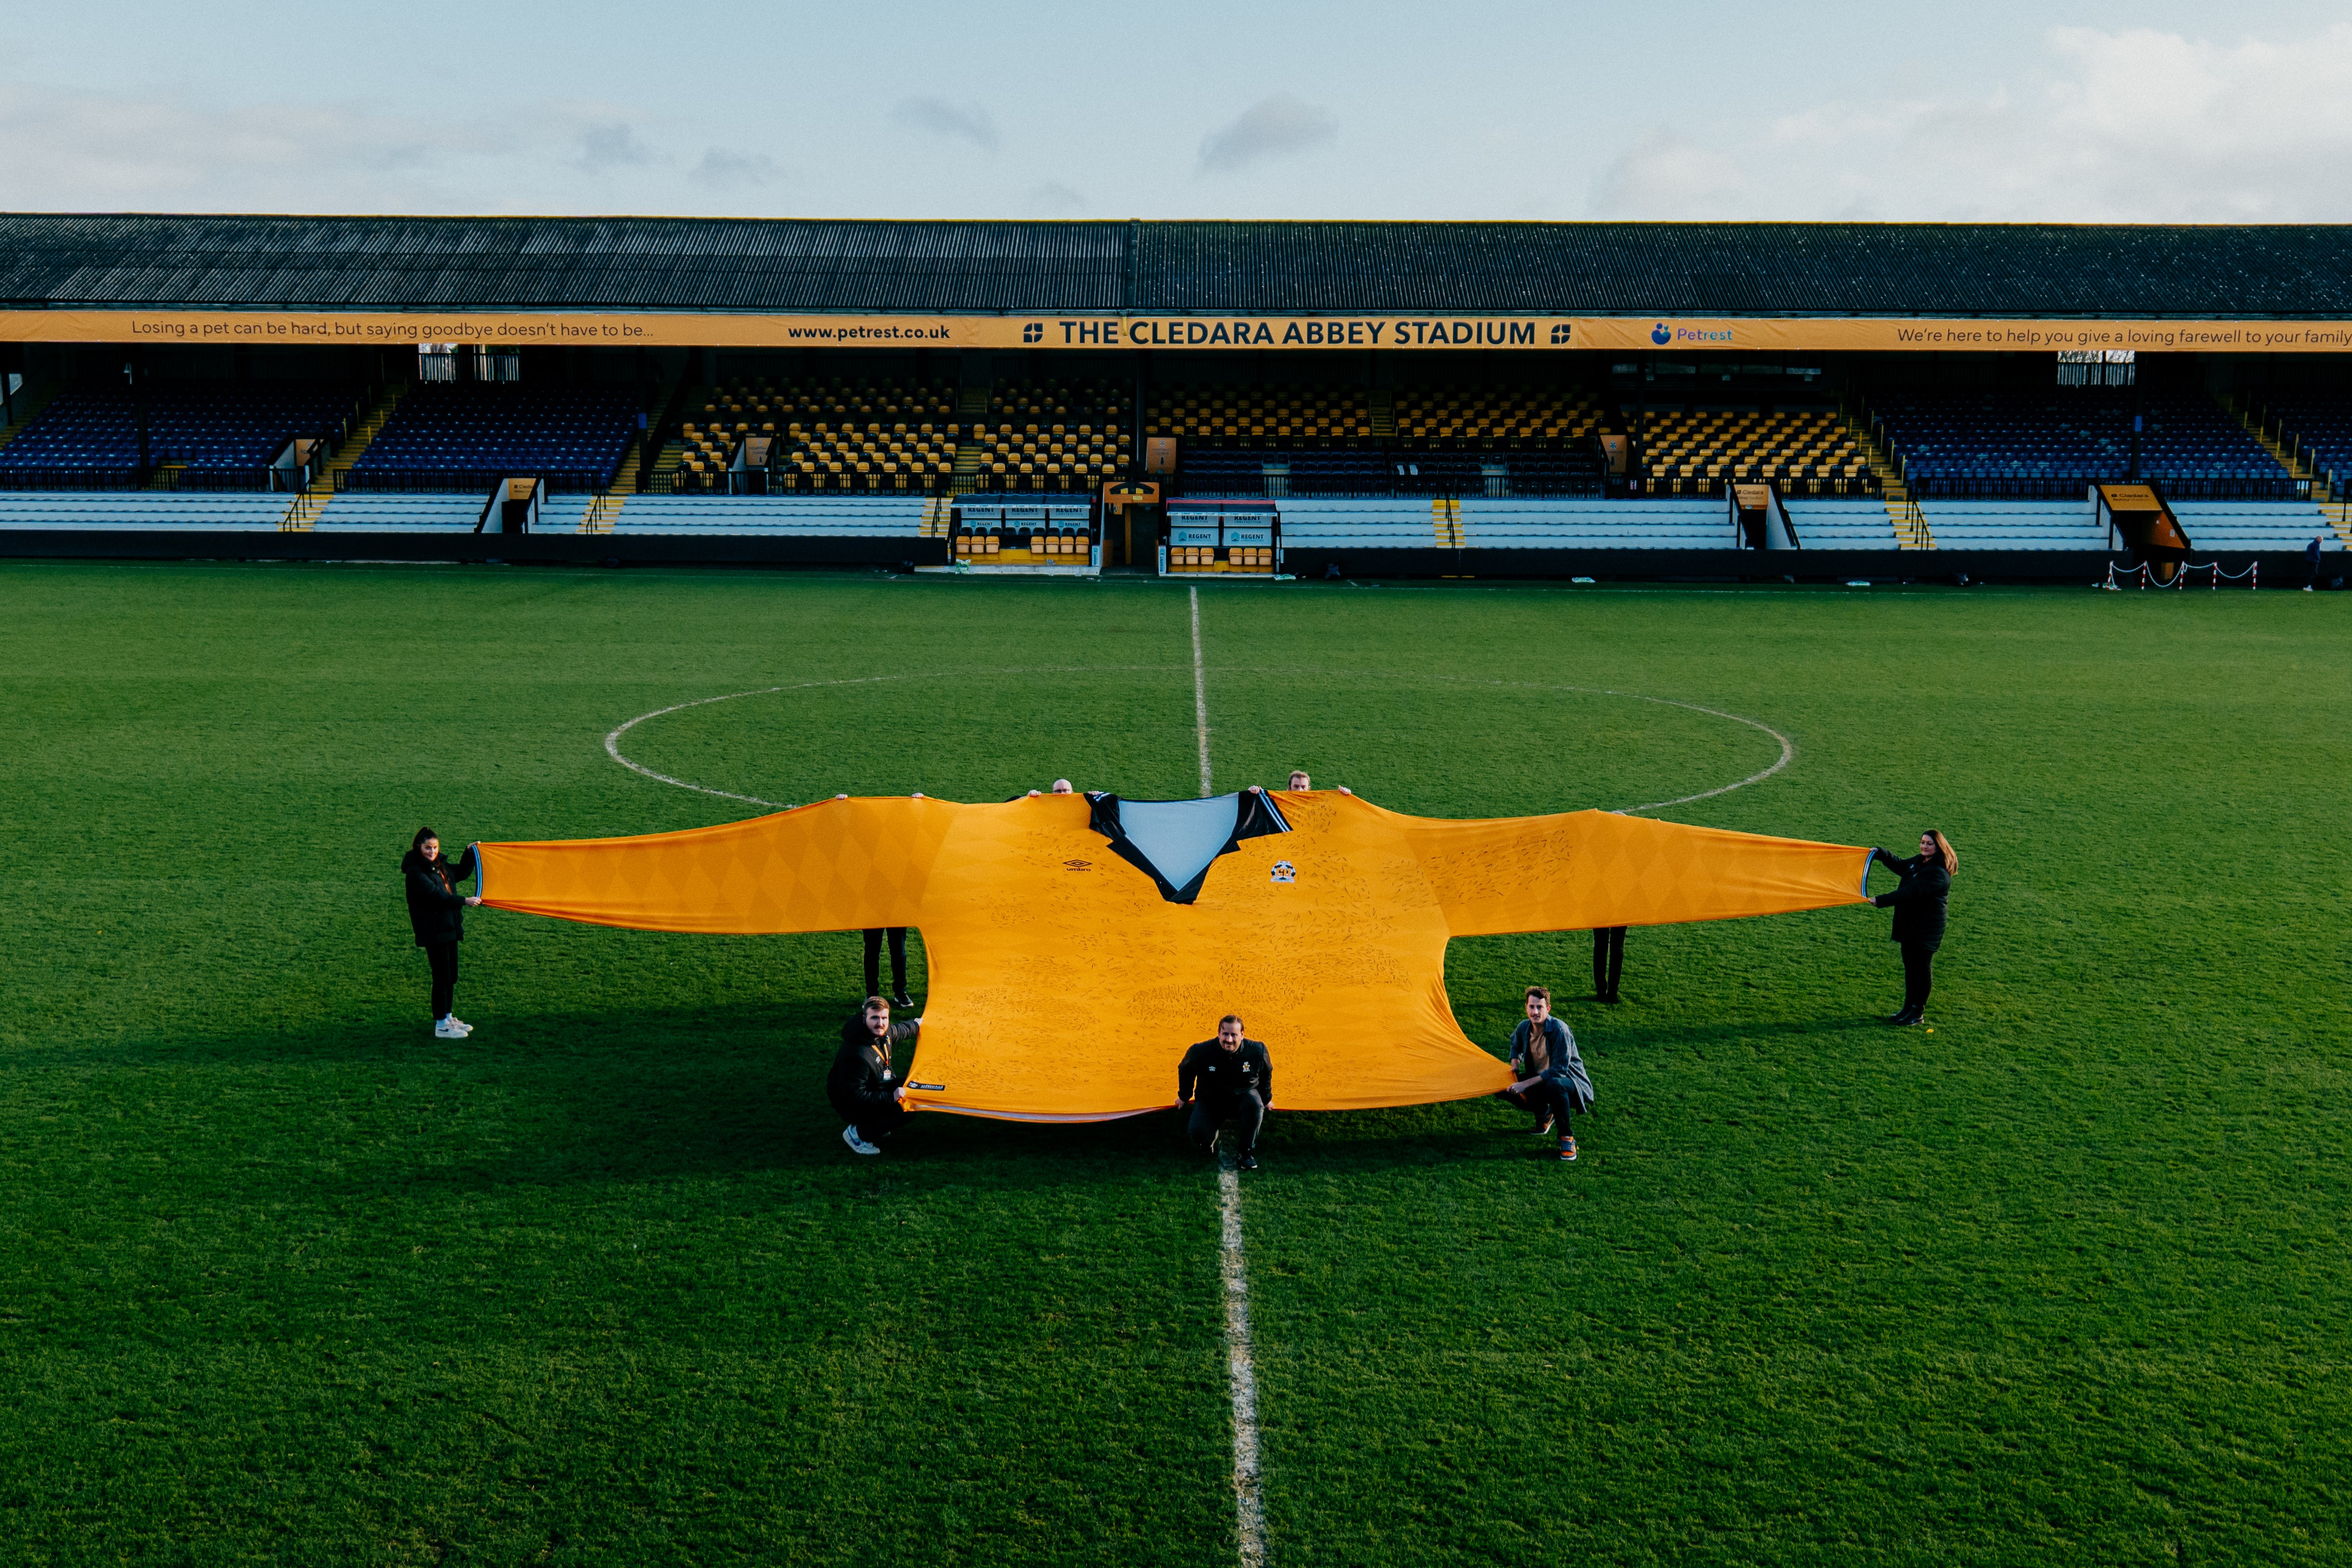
(1556,1087)
(1228,1076)
(863,1086)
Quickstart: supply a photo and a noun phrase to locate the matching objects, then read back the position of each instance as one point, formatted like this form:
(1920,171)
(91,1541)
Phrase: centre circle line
(613,737)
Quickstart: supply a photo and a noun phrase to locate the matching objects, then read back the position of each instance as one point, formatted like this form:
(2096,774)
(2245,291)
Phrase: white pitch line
(1199,692)
(1233,1263)
(1249,1502)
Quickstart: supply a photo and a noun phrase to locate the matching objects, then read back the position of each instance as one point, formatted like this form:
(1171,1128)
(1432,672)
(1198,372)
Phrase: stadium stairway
(1381,403)
(28,404)
(311,503)
(1904,512)
(597,516)
(2339,515)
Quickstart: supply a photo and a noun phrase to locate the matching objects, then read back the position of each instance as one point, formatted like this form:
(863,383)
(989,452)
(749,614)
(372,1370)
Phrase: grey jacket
(1565,1068)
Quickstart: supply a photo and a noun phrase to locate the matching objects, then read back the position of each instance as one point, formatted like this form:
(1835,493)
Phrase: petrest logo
(1664,334)
(1560,332)
(1033,332)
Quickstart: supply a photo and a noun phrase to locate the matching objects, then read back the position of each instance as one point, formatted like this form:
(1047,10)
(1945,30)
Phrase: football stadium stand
(833,516)
(1050,436)
(2018,524)
(1518,397)
(2315,429)
(2254,525)
(1800,453)
(1992,443)
(142,509)
(1320,440)
(418,511)
(467,436)
(1823,523)
(201,433)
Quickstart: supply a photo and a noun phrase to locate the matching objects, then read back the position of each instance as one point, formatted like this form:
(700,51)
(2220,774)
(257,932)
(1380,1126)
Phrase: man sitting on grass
(1228,1076)
(863,1086)
(1556,1085)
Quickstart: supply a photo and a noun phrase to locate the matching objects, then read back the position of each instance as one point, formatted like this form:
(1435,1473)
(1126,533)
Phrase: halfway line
(1199,692)
(1232,1264)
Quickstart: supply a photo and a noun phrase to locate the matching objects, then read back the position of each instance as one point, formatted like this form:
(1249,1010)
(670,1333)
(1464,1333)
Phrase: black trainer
(1246,1162)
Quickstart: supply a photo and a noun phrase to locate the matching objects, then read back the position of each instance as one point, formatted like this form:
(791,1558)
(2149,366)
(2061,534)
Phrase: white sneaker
(460,1024)
(858,1145)
(445,1030)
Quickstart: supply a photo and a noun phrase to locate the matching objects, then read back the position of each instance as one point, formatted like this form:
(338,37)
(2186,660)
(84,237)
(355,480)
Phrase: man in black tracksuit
(1918,905)
(864,1085)
(1228,1076)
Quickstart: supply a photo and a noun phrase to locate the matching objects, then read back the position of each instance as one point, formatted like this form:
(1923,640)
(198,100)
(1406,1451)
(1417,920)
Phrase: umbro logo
(1077,864)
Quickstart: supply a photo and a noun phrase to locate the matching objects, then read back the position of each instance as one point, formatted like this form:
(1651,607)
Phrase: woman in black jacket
(1918,906)
(437,912)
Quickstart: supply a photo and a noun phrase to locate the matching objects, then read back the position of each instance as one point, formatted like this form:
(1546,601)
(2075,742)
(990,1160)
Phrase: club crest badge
(1284,871)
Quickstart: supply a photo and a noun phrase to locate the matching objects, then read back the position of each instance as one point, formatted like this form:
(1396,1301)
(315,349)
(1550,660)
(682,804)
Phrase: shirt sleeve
(840,864)
(1586,869)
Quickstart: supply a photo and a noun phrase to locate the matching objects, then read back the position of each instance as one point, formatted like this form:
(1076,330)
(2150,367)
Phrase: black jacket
(864,1077)
(1218,1072)
(1562,1065)
(1919,902)
(436,910)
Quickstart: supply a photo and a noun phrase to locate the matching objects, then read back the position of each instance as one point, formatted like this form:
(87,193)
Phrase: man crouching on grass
(863,1085)
(1556,1085)
(1228,1076)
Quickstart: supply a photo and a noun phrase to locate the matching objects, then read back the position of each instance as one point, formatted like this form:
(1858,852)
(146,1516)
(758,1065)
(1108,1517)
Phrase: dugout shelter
(1822,400)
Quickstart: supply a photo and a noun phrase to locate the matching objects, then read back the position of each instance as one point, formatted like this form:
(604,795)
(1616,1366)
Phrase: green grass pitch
(284,1279)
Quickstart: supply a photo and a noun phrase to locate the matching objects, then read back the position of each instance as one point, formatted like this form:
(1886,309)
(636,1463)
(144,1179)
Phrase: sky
(2154,112)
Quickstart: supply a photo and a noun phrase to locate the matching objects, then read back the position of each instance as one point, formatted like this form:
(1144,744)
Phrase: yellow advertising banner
(1645,334)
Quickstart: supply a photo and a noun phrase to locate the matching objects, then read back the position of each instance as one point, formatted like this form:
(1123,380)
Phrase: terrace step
(27,406)
(1903,510)
(2340,520)
(1381,403)
(302,514)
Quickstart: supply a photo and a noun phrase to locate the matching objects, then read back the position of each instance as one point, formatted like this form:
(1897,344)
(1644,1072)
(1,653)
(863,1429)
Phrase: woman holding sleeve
(436,913)
(1918,905)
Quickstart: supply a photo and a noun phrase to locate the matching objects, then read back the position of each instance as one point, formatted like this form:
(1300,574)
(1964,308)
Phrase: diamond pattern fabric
(1064,987)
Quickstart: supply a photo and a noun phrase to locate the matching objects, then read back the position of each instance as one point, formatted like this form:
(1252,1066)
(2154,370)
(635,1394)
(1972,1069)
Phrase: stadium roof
(806,266)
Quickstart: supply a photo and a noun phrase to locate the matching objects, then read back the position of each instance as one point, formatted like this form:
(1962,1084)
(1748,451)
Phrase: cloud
(82,152)
(1053,196)
(958,122)
(721,167)
(1271,128)
(1666,176)
(2127,126)
(612,146)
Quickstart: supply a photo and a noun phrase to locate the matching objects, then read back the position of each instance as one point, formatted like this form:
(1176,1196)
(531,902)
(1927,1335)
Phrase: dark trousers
(874,936)
(1550,1097)
(443,957)
(1918,975)
(878,1118)
(1608,961)
(1248,1111)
